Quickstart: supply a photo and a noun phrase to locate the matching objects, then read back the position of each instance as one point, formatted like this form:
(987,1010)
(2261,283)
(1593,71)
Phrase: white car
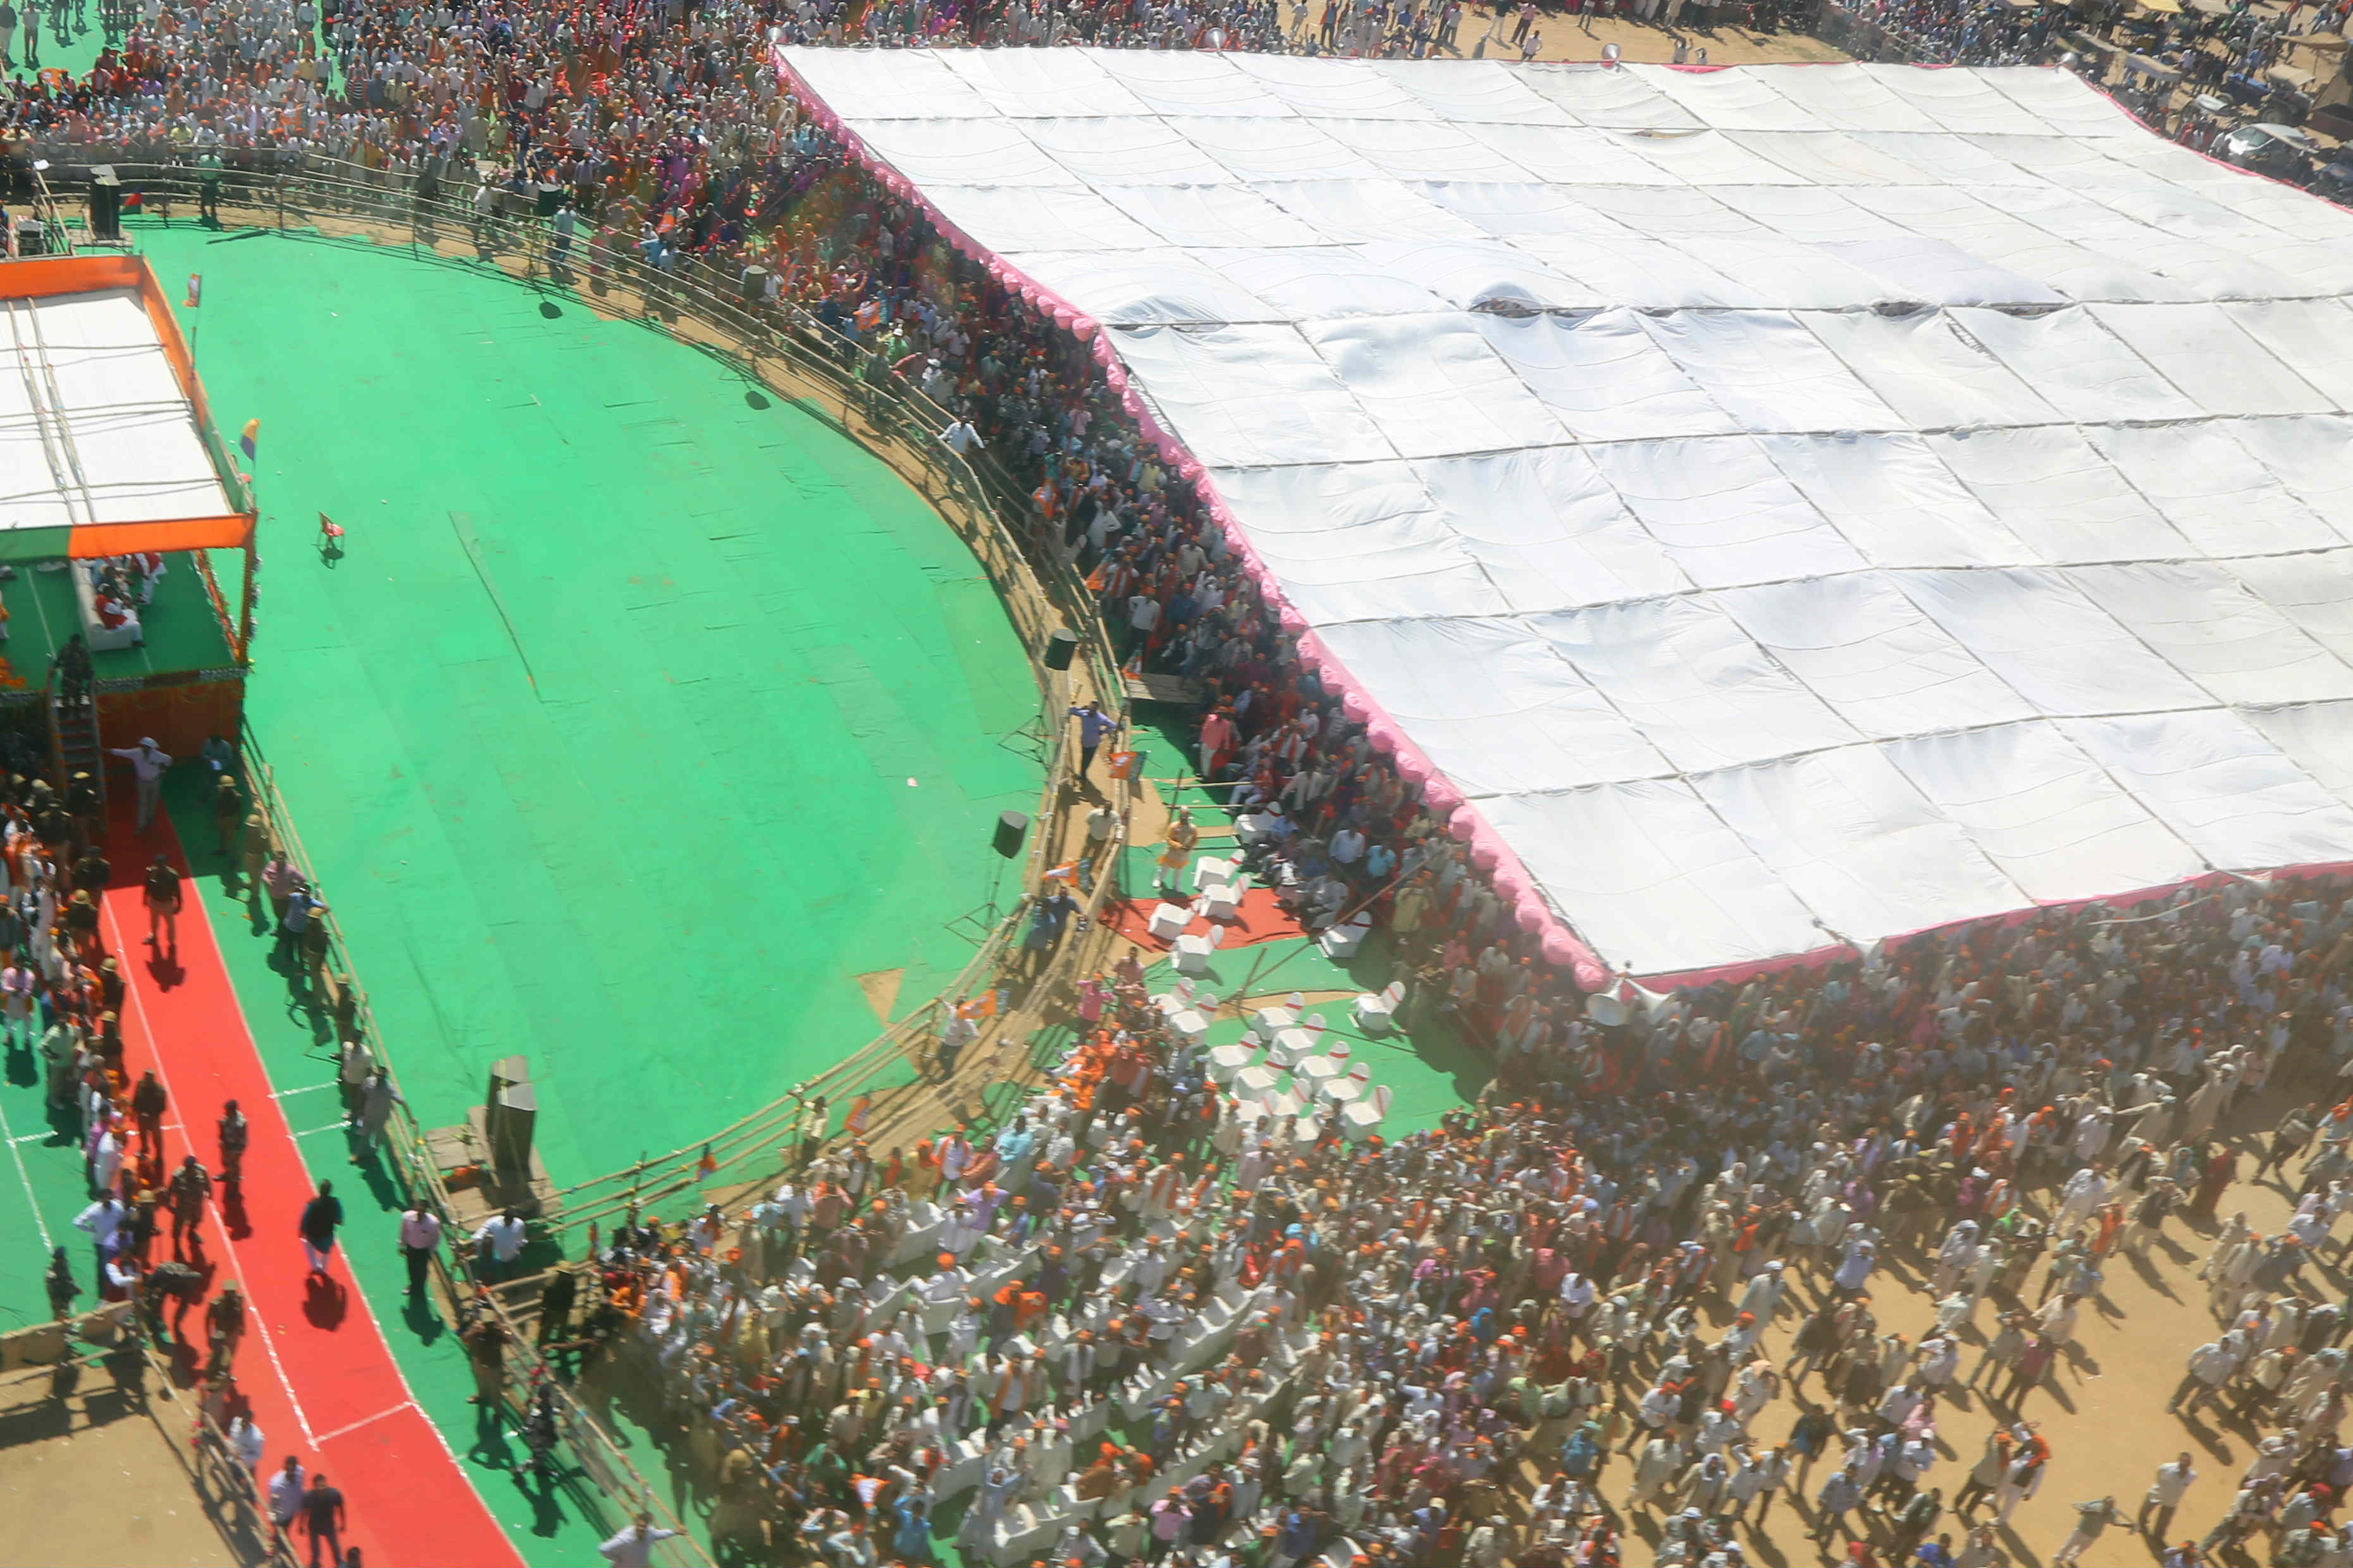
(2268,149)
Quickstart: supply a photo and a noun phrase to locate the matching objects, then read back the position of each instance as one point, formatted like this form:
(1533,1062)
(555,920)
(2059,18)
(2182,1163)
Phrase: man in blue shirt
(1093,725)
(301,909)
(1937,1553)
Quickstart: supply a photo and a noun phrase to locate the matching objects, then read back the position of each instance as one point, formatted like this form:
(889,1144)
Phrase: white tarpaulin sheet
(93,426)
(1792,504)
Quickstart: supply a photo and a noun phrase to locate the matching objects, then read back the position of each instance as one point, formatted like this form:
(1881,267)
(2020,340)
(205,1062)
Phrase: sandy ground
(2103,1410)
(90,1478)
(1485,34)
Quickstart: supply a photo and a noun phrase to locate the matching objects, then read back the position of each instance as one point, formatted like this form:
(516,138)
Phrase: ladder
(74,744)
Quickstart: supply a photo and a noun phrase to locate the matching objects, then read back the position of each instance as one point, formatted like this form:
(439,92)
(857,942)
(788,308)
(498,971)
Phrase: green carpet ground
(639,717)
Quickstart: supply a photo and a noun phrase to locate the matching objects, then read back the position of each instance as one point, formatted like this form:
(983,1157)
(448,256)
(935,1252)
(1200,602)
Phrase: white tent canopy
(1793,504)
(94,427)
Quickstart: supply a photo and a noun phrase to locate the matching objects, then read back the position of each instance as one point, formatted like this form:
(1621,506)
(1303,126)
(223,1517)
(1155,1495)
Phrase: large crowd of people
(1137,1320)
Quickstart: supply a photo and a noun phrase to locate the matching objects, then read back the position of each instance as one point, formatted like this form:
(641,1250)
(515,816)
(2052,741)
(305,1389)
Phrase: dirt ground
(90,1478)
(1485,34)
(2103,1409)
(1581,39)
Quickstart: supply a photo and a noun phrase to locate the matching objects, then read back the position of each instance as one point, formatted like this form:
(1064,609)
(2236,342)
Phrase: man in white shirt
(285,1495)
(2165,1495)
(960,437)
(244,1440)
(148,761)
(420,1232)
(497,1244)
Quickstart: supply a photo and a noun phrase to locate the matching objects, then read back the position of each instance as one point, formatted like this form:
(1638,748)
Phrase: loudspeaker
(105,202)
(1061,646)
(505,1073)
(512,1116)
(1011,828)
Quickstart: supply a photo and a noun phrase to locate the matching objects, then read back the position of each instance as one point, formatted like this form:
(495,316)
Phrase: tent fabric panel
(1869,652)
(1857,845)
(1548,531)
(1686,676)
(2051,818)
(1658,883)
(1494,705)
(2214,779)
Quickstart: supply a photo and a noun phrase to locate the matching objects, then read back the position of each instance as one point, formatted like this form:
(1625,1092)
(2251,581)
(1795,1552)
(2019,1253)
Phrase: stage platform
(108,448)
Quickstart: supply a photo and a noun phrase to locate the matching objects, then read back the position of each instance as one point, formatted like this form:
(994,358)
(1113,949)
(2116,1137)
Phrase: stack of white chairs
(1209,871)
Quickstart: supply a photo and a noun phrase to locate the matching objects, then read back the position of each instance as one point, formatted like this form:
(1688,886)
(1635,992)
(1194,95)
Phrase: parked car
(2335,180)
(2280,151)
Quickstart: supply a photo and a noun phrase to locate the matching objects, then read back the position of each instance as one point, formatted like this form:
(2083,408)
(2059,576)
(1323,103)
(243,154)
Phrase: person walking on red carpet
(323,1517)
(191,1188)
(164,905)
(285,1498)
(321,1215)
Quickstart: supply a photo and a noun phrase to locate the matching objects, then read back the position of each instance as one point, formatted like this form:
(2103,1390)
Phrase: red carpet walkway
(321,1379)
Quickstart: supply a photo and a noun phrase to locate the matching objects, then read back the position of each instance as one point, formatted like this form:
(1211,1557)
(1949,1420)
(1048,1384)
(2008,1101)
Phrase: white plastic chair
(1226,1062)
(1175,999)
(1376,1011)
(1191,1024)
(1360,1119)
(1209,871)
(1343,940)
(1341,1090)
(1340,1052)
(1192,953)
(1169,920)
(1315,1072)
(1257,1084)
(1291,1048)
(1271,1021)
(1224,900)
